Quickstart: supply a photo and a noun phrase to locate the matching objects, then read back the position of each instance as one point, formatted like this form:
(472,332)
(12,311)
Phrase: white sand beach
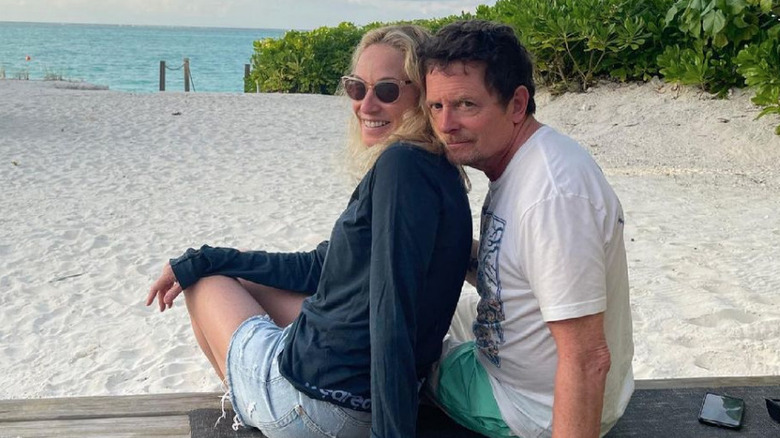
(98,188)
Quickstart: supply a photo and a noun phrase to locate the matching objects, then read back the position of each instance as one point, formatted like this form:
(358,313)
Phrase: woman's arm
(298,271)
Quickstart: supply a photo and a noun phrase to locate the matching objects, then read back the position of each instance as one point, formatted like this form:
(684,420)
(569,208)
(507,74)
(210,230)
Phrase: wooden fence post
(247,72)
(162,75)
(186,74)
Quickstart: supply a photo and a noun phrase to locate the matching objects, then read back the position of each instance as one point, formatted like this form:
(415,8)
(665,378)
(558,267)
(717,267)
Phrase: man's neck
(523,132)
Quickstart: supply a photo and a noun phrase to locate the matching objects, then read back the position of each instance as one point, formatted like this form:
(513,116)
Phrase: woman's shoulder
(407,163)
(406,152)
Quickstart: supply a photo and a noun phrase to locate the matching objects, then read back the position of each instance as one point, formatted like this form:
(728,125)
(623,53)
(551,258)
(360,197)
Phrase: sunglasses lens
(356,90)
(387,92)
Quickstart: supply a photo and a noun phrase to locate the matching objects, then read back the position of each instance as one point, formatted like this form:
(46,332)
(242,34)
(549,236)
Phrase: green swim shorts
(462,388)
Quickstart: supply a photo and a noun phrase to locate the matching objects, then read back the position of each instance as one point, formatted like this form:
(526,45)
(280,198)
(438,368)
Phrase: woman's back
(397,258)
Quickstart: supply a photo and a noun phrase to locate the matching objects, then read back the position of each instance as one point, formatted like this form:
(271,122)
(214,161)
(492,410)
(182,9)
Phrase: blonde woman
(338,341)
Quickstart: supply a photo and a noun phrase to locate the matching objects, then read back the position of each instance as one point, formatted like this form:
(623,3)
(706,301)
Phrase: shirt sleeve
(405,211)
(562,241)
(299,271)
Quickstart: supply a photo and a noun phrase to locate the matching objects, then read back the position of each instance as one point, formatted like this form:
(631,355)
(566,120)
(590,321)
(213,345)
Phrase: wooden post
(246,76)
(162,75)
(186,74)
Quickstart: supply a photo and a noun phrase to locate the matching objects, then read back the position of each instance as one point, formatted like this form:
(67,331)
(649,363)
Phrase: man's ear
(519,103)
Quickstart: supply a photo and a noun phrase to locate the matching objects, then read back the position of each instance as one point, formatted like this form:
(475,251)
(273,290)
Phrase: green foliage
(303,61)
(722,22)
(713,44)
(575,41)
(698,66)
(433,24)
(314,61)
(759,64)
(709,34)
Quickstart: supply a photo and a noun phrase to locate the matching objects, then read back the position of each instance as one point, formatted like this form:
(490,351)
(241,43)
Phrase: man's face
(477,129)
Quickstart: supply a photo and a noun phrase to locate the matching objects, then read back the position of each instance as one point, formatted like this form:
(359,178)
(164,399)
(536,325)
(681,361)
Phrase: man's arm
(471,274)
(583,363)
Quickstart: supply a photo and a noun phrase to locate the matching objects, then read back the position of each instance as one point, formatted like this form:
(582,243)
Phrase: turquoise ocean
(127,58)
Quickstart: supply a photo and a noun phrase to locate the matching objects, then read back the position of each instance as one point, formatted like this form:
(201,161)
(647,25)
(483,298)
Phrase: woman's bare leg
(217,306)
(283,306)
(204,345)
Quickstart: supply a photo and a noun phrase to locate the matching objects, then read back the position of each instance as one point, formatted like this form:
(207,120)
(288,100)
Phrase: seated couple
(343,340)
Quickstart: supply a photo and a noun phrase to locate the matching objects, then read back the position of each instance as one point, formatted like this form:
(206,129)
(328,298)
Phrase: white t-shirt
(551,248)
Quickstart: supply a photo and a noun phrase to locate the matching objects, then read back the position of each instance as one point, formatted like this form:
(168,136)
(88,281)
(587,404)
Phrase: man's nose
(446,121)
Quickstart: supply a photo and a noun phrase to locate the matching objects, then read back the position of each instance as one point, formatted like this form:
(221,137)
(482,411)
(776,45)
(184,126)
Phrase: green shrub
(314,61)
(714,44)
(303,61)
(759,64)
(433,24)
(710,34)
(575,41)
(694,66)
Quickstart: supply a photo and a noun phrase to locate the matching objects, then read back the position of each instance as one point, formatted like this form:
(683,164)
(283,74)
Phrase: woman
(338,341)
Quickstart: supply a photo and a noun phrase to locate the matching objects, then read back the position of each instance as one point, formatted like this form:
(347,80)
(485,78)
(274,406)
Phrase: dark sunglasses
(386,90)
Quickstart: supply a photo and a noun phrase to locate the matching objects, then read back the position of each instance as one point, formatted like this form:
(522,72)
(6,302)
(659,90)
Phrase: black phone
(722,410)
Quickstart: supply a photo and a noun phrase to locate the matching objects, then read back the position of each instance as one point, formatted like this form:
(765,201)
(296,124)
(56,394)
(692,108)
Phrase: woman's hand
(166,288)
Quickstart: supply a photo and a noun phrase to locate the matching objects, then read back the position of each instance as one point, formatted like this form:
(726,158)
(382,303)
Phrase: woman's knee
(210,283)
(215,279)
(219,296)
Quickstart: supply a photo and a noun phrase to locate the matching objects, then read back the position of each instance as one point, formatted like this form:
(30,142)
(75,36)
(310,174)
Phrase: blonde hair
(415,127)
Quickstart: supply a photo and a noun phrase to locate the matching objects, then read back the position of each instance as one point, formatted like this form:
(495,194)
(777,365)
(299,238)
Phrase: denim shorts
(264,399)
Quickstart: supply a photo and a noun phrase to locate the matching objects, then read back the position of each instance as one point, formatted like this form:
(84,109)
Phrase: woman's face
(378,119)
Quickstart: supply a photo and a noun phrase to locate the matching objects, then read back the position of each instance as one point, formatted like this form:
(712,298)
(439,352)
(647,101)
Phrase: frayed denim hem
(236,420)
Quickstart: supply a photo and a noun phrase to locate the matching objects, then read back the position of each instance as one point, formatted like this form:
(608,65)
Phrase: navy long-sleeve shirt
(384,288)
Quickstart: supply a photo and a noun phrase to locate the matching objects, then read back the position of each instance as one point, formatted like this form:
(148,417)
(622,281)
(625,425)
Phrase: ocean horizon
(127,57)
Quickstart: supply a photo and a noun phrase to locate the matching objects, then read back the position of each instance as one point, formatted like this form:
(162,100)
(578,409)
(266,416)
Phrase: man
(552,347)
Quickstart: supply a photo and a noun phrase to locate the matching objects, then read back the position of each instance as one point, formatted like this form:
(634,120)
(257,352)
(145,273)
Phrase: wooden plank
(708,382)
(73,408)
(46,415)
(168,427)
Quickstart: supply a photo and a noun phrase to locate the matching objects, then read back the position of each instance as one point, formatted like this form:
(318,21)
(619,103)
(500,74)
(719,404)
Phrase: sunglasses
(386,90)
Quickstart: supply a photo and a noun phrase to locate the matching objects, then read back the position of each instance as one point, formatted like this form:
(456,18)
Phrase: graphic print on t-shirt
(487,328)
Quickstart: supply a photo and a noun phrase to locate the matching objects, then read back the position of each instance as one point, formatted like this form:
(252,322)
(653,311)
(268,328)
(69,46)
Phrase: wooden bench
(168,415)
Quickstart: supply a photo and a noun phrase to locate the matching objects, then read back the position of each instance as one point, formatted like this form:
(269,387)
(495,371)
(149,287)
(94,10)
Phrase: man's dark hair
(508,63)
